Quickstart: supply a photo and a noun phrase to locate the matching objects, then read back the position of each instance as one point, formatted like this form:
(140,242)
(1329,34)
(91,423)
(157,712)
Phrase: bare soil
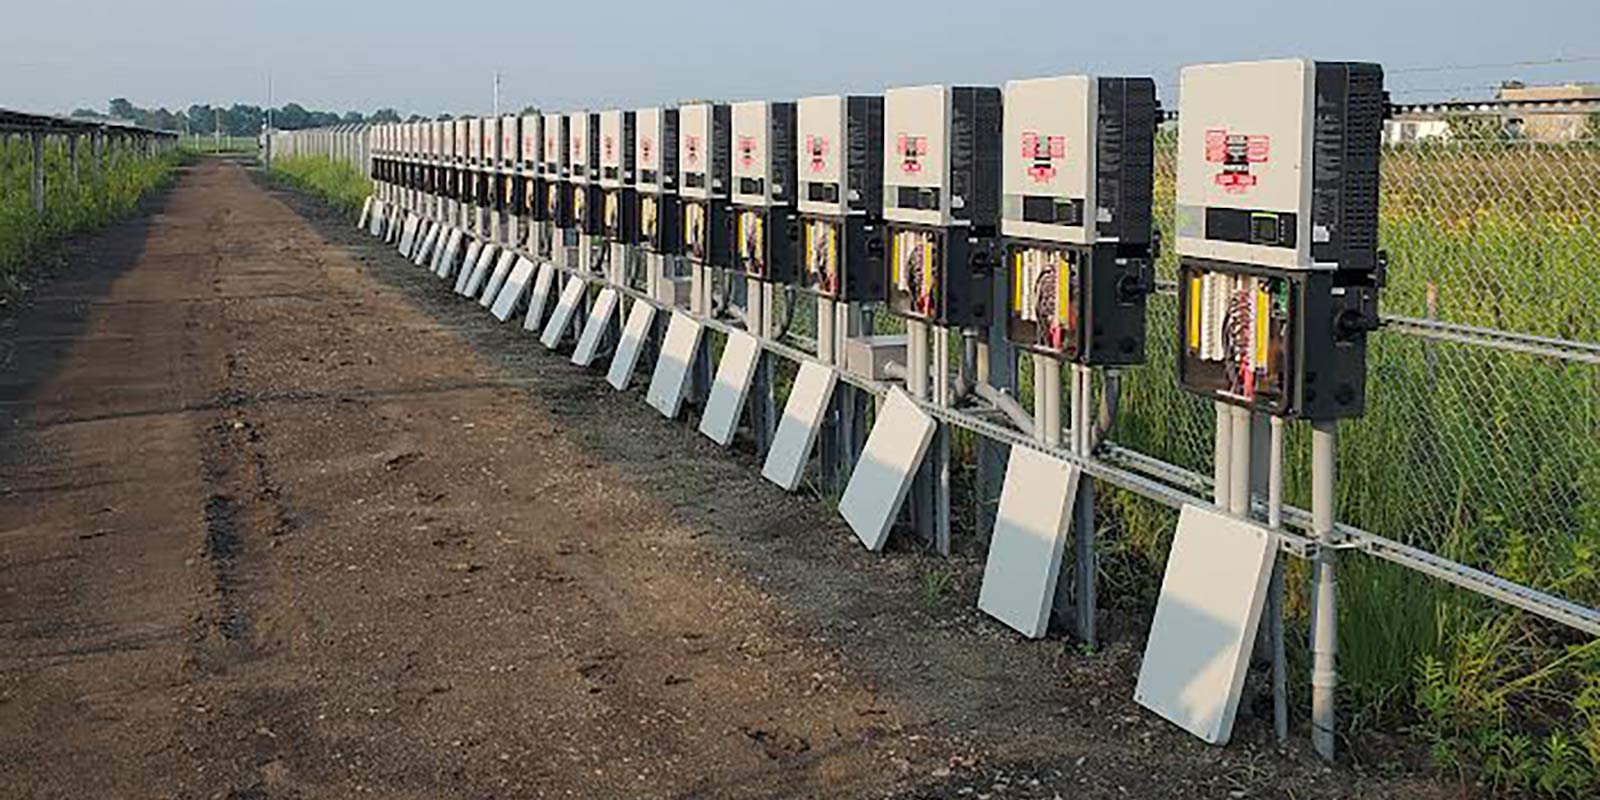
(281,517)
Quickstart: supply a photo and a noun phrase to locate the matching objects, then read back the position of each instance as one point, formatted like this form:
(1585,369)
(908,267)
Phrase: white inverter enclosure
(655,150)
(763,153)
(1205,621)
(475,140)
(554,153)
(1049,158)
(1243,145)
(532,126)
(616,148)
(510,140)
(838,155)
(820,127)
(491,142)
(703,151)
(916,140)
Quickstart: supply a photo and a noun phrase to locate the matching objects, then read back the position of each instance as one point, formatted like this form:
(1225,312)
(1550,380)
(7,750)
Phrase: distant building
(1534,113)
(1554,123)
(1415,126)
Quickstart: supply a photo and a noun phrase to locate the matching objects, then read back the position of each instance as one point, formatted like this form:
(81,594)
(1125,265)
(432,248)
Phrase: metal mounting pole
(1239,462)
(1085,562)
(997,367)
(1324,599)
(917,385)
(767,427)
(828,439)
(1280,668)
(72,154)
(941,396)
(1222,450)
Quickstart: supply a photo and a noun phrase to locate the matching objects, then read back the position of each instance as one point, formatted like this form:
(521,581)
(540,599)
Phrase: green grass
(226,145)
(92,200)
(340,183)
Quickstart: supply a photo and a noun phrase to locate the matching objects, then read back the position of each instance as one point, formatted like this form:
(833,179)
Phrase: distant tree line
(236,120)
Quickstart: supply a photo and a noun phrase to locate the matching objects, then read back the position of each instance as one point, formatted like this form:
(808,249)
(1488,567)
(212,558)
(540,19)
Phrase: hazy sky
(440,55)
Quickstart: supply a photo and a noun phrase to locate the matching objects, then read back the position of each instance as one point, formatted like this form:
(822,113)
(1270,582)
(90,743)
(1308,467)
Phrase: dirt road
(280,517)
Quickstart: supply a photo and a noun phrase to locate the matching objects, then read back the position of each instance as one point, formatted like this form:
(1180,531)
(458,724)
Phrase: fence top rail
(23,122)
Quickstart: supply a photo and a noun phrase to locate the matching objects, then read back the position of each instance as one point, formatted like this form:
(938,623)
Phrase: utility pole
(497,93)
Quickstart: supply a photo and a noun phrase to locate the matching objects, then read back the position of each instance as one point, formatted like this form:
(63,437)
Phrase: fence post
(72,154)
(38,172)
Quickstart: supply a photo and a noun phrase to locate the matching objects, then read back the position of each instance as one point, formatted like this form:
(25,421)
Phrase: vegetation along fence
(60,175)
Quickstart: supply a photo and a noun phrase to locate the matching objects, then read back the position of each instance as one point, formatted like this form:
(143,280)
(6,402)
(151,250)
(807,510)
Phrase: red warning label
(911,150)
(1040,154)
(817,150)
(1235,152)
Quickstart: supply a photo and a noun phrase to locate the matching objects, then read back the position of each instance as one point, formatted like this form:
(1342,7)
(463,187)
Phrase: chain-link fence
(1479,443)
